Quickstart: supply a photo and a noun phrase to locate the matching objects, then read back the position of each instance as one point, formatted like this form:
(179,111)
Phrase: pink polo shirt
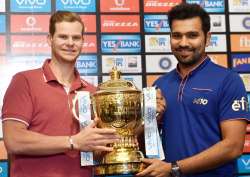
(38,100)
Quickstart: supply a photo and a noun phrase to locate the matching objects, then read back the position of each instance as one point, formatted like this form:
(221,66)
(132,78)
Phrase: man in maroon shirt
(40,132)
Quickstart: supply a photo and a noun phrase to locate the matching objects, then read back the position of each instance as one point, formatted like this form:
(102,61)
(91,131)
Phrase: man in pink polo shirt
(40,132)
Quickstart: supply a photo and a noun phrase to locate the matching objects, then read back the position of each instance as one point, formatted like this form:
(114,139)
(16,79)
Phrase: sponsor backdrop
(130,34)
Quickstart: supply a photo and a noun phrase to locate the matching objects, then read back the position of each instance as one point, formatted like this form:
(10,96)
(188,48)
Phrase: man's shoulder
(30,76)
(220,72)
(219,69)
(166,78)
(168,75)
(29,73)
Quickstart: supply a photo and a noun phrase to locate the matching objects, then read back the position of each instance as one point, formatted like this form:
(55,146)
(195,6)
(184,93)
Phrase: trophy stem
(127,142)
(124,159)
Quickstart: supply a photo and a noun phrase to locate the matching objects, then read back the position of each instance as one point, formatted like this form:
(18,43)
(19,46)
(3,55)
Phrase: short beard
(196,59)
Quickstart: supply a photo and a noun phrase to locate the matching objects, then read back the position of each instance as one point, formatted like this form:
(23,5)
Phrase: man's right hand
(92,138)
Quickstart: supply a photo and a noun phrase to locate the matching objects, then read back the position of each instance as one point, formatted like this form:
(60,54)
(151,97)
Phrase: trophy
(118,104)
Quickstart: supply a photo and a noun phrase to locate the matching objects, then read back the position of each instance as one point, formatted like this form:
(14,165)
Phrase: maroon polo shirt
(38,100)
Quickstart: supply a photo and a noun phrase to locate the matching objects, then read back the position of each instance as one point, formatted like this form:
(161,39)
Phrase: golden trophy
(118,104)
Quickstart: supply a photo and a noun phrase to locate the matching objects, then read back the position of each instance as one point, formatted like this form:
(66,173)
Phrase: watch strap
(175,170)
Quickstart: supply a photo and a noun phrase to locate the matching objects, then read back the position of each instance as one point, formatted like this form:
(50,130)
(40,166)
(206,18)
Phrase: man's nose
(70,41)
(183,41)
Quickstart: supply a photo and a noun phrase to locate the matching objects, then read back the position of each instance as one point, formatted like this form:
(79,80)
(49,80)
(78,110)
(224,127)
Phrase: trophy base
(119,169)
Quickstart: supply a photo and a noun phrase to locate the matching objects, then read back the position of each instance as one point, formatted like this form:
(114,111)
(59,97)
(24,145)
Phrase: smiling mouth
(184,52)
(69,51)
(184,49)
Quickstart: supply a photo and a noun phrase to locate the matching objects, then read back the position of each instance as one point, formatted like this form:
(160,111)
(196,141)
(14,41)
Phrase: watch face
(175,170)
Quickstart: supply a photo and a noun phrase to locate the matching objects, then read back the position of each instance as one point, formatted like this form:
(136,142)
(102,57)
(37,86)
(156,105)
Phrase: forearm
(23,141)
(19,140)
(215,156)
(230,147)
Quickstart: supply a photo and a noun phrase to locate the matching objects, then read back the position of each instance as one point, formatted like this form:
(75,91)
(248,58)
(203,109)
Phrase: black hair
(186,11)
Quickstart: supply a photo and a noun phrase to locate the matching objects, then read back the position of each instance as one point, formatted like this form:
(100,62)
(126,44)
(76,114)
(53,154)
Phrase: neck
(186,69)
(63,71)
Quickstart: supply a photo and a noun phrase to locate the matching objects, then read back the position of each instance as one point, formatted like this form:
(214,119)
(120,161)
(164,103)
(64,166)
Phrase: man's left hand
(155,168)
(161,105)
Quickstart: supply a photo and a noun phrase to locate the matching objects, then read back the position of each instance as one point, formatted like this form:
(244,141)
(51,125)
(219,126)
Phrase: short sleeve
(233,98)
(17,102)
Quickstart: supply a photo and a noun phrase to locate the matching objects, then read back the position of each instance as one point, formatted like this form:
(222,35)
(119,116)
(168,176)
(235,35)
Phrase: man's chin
(184,59)
(70,59)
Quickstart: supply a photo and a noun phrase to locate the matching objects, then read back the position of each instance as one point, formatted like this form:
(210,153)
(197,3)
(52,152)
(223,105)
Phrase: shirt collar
(49,76)
(197,68)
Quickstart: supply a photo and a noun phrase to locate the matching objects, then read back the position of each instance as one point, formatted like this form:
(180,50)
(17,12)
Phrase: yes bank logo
(156,23)
(87,64)
(120,43)
(240,105)
(210,5)
(200,101)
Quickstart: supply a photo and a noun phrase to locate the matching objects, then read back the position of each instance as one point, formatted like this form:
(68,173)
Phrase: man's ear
(208,38)
(49,39)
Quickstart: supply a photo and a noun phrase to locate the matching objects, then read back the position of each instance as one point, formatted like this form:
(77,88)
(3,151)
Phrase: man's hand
(155,168)
(161,105)
(92,138)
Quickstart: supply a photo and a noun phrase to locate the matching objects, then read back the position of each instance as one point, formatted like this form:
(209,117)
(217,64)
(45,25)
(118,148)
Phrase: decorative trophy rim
(116,84)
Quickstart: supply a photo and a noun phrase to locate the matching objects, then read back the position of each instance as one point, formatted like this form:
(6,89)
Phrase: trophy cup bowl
(118,104)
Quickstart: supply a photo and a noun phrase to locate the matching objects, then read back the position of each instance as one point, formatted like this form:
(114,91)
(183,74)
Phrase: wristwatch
(175,170)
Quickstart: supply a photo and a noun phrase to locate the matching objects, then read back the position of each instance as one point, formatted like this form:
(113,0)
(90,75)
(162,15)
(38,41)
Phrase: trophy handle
(142,108)
(74,100)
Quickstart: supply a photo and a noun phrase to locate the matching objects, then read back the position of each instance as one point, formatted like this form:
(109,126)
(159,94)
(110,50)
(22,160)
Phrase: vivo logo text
(246,162)
(31,2)
(76,2)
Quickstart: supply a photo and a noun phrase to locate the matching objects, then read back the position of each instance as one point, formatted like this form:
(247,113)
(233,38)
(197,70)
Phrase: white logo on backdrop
(2,5)
(76,2)
(119,2)
(218,23)
(30,21)
(31,2)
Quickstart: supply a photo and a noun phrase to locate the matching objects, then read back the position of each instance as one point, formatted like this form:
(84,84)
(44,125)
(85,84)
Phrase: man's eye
(176,36)
(193,35)
(63,37)
(76,38)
